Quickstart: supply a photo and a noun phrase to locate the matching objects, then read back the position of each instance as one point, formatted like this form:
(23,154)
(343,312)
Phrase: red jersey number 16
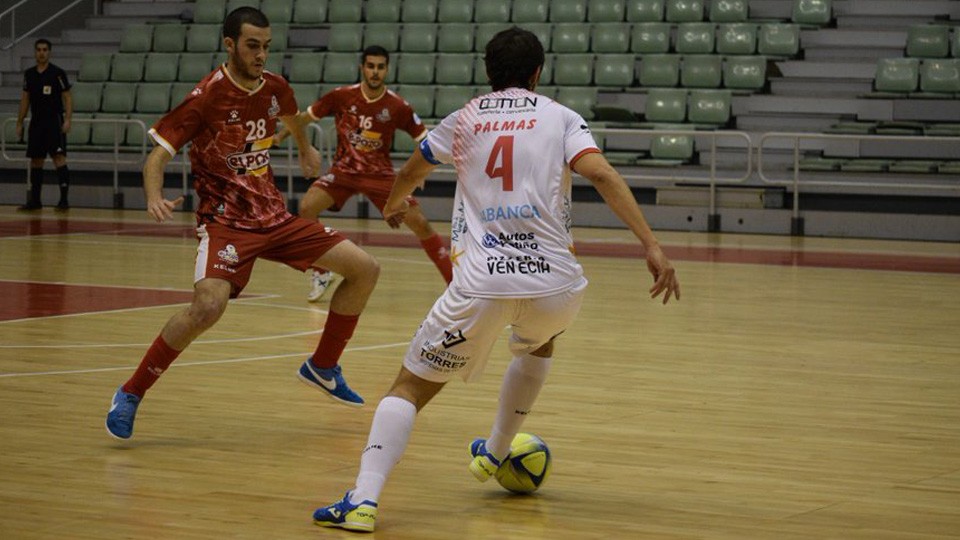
(502,154)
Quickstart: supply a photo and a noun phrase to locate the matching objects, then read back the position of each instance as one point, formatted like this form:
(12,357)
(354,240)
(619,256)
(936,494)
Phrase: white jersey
(510,234)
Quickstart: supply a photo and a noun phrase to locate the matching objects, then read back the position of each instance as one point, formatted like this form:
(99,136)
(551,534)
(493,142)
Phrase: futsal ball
(527,466)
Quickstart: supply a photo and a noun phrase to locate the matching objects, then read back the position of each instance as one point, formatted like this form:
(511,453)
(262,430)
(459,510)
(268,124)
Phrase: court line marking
(198,363)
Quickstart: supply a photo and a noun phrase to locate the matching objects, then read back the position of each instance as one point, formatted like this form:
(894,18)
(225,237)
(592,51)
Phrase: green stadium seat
(530,11)
(491,11)
(179,92)
(610,38)
(728,11)
(955,43)
(568,11)
(422,11)
(274,64)
(455,38)
(416,68)
(949,167)
(339,11)
(418,37)
(452,69)
(659,70)
(127,67)
(737,38)
(278,37)
(581,99)
(776,39)
(169,37)
(914,166)
(543,31)
(812,12)
(79,134)
(644,10)
(940,75)
(308,67)
(480,70)
(108,133)
(234,4)
(345,37)
(650,37)
(570,38)
(94,67)
(305,94)
(666,105)
(209,11)
(546,74)
(709,106)
(745,72)
(161,67)
(194,66)
(153,97)
(574,70)
(450,98)
(928,41)
(382,11)
(599,11)
(386,35)
(118,97)
(403,145)
(137,38)
(852,128)
(613,70)
(138,136)
(203,38)
(278,11)
(86,96)
(695,38)
(820,164)
(701,71)
(676,149)
(420,97)
(897,75)
(309,11)
(485,33)
(455,11)
(679,11)
(866,165)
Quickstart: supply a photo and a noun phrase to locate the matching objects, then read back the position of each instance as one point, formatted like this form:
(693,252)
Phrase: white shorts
(459,332)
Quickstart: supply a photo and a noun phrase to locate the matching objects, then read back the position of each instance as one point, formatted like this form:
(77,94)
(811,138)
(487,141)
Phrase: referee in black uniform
(46,92)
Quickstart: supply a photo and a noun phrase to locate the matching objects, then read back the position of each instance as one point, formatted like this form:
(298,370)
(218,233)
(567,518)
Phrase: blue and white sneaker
(330,382)
(123,410)
(484,465)
(346,515)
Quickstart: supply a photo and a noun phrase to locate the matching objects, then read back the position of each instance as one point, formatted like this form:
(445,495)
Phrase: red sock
(440,256)
(336,333)
(157,359)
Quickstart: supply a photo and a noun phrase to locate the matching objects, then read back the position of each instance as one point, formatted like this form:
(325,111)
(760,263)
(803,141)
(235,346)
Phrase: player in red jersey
(367,115)
(230,118)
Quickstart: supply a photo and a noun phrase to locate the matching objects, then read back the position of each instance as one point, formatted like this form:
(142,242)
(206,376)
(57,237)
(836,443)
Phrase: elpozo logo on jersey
(255,159)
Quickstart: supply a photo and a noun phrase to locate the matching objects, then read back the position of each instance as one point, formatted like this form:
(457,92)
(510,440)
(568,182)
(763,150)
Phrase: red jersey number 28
(502,154)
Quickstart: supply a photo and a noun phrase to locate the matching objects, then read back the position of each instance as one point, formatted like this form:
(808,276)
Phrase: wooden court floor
(801,388)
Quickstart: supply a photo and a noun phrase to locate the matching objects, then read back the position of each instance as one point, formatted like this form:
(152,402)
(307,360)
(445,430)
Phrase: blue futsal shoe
(484,465)
(123,410)
(344,514)
(330,382)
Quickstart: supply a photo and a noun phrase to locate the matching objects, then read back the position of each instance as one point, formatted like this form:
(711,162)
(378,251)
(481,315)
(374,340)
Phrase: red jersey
(232,130)
(365,128)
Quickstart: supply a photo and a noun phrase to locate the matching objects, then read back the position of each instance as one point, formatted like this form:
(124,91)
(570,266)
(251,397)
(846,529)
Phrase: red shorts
(228,253)
(341,187)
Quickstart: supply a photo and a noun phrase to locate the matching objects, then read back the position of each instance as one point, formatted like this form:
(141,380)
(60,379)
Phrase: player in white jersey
(513,260)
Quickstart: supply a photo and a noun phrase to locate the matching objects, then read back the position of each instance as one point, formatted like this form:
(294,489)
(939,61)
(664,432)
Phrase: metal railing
(11,14)
(796,182)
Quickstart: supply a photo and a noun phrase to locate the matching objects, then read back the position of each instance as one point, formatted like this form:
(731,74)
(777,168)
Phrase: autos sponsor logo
(517,240)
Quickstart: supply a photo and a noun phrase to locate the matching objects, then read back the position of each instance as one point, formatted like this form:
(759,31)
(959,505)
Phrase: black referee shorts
(45,140)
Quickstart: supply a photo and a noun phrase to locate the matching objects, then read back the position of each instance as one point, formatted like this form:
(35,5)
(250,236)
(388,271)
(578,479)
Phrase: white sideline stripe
(198,342)
(201,363)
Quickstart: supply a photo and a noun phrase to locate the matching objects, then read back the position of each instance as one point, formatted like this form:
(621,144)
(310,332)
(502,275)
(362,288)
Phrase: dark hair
(374,50)
(241,16)
(512,57)
(43,41)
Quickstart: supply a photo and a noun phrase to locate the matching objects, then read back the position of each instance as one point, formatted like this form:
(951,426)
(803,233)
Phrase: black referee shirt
(46,93)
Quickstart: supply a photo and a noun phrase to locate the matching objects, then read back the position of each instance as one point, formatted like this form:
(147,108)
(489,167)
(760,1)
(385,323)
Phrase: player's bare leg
(314,202)
(430,241)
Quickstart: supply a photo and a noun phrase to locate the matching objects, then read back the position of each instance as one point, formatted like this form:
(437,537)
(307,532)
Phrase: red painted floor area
(24,300)
(780,257)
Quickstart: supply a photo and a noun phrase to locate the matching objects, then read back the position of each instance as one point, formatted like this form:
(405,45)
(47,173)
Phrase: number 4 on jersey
(502,153)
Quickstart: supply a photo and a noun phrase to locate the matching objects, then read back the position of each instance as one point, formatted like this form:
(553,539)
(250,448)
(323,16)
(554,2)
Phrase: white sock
(521,384)
(389,433)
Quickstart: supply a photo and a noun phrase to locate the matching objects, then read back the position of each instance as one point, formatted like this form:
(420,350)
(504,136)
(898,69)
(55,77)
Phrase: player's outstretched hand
(280,136)
(162,209)
(395,213)
(310,162)
(665,277)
